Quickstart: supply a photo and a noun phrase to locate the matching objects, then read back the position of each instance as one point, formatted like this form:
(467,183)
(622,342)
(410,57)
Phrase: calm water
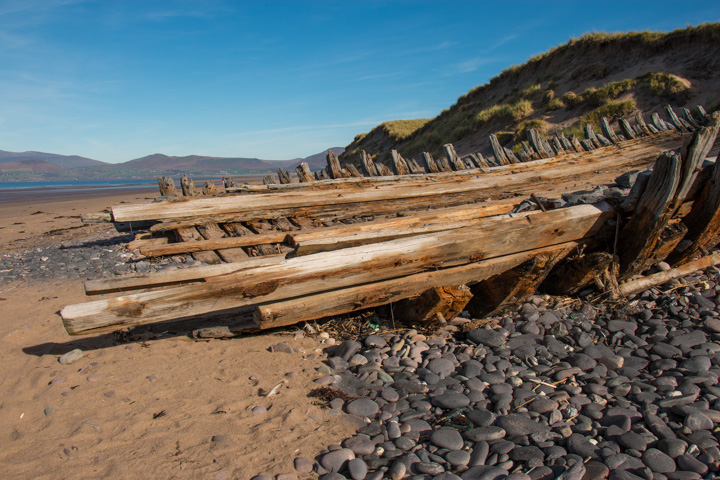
(22,191)
(73,183)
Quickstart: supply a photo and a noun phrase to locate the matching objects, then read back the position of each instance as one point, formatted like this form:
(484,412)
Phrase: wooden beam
(217,243)
(189,235)
(176,276)
(498,151)
(304,173)
(349,267)
(574,274)
(368,164)
(399,164)
(495,293)
(644,283)
(212,232)
(333,165)
(434,306)
(346,300)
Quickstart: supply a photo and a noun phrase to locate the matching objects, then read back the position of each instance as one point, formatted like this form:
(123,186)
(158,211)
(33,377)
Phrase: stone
(451,401)
(518,424)
(484,336)
(282,347)
(71,357)
(698,421)
(362,407)
(691,464)
(657,461)
(458,458)
(303,465)
(487,434)
(441,367)
(447,438)
(632,440)
(336,460)
(357,468)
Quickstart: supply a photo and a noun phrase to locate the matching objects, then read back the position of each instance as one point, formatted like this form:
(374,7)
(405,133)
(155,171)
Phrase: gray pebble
(71,357)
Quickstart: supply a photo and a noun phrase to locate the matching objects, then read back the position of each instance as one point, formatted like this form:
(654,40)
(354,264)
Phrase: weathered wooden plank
(567,143)
(415,168)
(350,267)
(659,123)
(210,244)
(270,179)
(687,115)
(537,143)
(354,173)
(495,293)
(175,276)
(188,186)
(212,232)
(435,306)
(674,120)
(341,301)
(209,188)
(645,283)
(189,235)
(590,135)
(399,164)
(453,158)
(641,123)
(383,170)
(509,155)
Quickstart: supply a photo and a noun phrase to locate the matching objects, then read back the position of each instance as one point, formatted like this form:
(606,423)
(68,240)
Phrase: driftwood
(368,165)
(498,151)
(644,283)
(333,165)
(303,172)
(435,306)
(284,176)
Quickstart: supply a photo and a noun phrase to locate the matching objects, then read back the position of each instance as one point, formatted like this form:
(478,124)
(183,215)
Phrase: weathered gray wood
(652,129)
(689,118)
(659,123)
(284,176)
(209,188)
(590,135)
(304,173)
(212,231)
(587,144)
(430,164)
(567,143)
(660,278)
(444,165)
(453,158)
(190,234)
(641,235)
(557,145)
(383,170)
(270,179)
(608,130)
(576,144)
(510,156)
(536,143)
(435,306)
(548,148)
(704,117)
(167,187)
(498,150)
(641,123)
(334,169)
(626,129)
(368,165)
(415,166)
(604,141)
(674,120)
(353,170)
(228,182)
(188,186)
(399,165)
(530,151)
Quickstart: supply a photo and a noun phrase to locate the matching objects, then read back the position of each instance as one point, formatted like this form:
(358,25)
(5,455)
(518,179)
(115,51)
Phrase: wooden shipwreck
(473,232)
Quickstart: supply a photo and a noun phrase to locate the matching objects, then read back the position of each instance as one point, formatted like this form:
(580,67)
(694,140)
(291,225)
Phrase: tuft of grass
(664,85)
(401,129)
(611,110)
(555,104)
(504,112)
(596,97)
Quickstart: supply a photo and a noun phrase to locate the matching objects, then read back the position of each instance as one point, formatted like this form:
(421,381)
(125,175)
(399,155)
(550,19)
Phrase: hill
(595,75)
(65,161)
(31,167)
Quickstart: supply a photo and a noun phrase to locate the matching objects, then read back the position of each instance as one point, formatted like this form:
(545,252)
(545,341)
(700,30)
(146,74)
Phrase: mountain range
(49,166)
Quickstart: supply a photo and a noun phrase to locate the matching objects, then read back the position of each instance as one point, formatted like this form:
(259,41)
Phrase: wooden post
(689,118)
(188,186)
(368,164)
(576,144)
(626,129)
(383,170)
(167,187)
(209,188)
(415,167)
(269,180)
(590,135)
(444,165)
(510,156)
(353,171)
(659,123)
(430,164)
(304,173)
(674,120)
(452,157)
(498,150)
(228,182)
(399,164)
(333,165)
(284,176)
(608,131)
(574,274)
(537,143)
(641,123)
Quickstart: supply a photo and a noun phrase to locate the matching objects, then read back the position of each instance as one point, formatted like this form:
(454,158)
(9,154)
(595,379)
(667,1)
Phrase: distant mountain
(66,161)
(31,167)
(317,161)
(159,161)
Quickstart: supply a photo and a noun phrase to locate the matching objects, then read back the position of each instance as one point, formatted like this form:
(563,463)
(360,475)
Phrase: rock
(673,447)
(691,464)
(282,347)
(698,421)
(543,405)
(632,440)
(457,457)
(657,461)
(347,349)
(71,357)
(450,401)
(303,465)
(487,434)
(441,367)
(362,407)
(447,438)
(336,460)
(518,424)
(484,336)
(358,468)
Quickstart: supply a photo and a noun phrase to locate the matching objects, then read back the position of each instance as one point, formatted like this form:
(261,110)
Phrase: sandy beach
(160,406)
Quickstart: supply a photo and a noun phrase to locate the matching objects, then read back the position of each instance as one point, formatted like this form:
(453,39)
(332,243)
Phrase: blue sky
(117,80)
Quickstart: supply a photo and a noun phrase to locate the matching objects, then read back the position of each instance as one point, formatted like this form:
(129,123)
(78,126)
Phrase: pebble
(335,461)
(362,407)
(71,357)
(448,438)
(657,461)
(303,465)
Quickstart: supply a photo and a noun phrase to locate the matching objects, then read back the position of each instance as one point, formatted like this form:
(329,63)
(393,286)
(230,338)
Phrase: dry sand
(147,408)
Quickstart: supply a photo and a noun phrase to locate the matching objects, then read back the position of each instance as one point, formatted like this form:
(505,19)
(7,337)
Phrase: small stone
(698,421)
(483,336)
(518,424)
(450,401)
(362,407)
(441,366)
(282,347)
(357,468)
(657,461)
(447,438)
(303,465)
(336,460)
(71,357)
(259,410)
(632,440)
(458,458)
(691,464)
(48,411)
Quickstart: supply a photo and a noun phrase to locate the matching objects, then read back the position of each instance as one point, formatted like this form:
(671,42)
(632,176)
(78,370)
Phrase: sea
(46,190)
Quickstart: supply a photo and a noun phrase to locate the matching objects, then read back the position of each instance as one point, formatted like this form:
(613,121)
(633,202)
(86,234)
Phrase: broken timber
(347,243)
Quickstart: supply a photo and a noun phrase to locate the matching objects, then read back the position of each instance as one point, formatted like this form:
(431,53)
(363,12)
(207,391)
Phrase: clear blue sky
(117,80)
